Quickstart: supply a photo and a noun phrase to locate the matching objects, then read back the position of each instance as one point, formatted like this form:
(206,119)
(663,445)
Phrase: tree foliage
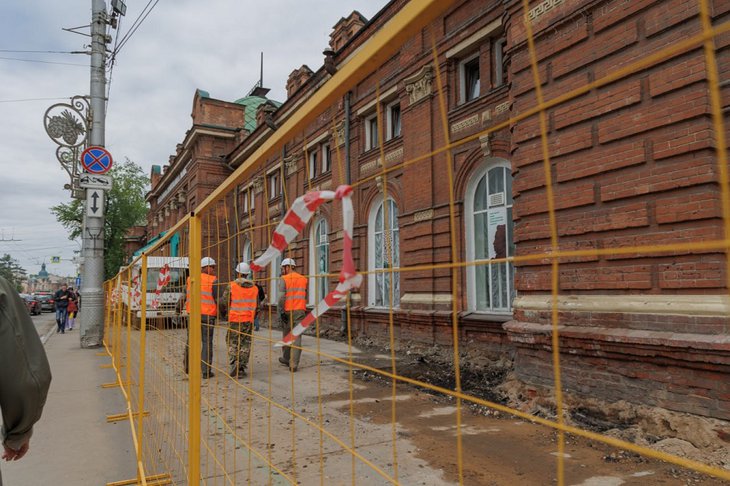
(12,271)
(125,207)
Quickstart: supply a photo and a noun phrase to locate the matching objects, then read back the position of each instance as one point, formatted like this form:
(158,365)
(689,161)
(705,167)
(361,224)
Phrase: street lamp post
(75,127)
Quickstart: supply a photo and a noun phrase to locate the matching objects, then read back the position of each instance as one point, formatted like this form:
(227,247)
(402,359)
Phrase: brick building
(632,163)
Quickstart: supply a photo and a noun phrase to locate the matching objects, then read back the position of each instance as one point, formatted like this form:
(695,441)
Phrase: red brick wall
(633,162)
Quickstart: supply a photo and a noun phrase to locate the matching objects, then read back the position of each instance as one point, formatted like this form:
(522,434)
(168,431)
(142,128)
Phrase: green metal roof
(252,103)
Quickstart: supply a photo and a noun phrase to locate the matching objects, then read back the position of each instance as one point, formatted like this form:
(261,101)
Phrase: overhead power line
(141,18)
(35,99)
(43,52)
(112,61)
(42,62)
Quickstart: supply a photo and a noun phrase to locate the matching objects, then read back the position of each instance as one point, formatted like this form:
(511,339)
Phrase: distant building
(45,282)
(633,163)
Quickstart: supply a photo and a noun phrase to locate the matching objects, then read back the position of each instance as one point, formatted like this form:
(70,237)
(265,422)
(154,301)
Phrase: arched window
(384,252)
(319,256)
(489,235)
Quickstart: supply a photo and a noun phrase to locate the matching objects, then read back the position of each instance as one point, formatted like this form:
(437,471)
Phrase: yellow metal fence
(278,427)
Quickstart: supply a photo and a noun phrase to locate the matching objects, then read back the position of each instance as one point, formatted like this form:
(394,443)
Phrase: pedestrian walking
(60,298)
(24,374)
(72,309)
(208,311)
(292,307)
(242,298)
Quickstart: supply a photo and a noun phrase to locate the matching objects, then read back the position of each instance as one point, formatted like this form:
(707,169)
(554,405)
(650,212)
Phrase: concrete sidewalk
(73,444)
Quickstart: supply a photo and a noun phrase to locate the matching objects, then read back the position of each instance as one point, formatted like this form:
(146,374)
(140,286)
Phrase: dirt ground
(250,436)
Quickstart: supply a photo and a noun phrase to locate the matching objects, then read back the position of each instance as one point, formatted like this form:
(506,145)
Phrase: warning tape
(293,223)
(136,293)
(162,280)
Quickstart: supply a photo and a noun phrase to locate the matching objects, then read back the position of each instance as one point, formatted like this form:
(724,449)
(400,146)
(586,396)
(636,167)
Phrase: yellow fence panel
(214,398)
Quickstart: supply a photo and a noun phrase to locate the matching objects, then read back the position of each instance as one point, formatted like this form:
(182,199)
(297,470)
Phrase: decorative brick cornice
(419,85)
(465,124)
(258,185)
(542,8)
(423,215)
(290,164)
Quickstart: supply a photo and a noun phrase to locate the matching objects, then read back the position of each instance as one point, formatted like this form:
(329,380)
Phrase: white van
(171,295)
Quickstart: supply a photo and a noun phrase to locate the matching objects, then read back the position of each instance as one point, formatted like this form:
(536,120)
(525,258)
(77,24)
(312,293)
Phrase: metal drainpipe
(283,181)
(347,138)
(348,181)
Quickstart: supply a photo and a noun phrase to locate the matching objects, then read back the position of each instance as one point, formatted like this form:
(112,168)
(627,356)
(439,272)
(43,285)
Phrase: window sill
(380,310)
(491,96)
(476,316)
(370,151)
(319,178)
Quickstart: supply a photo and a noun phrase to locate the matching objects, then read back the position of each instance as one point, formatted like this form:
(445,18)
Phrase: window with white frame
(489,232)
(313,166)
(247,201)
(393,114)
(469,79)
(274,186)
(383,254)
(319,261)
(371,132)
(326,158)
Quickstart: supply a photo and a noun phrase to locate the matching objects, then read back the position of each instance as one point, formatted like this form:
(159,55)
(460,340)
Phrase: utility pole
(92,249)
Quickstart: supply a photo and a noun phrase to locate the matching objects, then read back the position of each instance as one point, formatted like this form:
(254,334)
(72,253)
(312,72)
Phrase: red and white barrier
(162,280)
(293,223)
(136,293)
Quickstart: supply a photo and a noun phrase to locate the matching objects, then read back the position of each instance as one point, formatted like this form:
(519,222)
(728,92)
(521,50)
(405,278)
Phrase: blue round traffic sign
(96,160)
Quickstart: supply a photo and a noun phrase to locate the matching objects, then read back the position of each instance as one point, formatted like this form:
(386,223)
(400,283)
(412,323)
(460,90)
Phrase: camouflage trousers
(238,339)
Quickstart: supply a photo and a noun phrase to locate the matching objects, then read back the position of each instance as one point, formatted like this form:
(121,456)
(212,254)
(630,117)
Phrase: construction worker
(292,305)
(242,299)
(208,311)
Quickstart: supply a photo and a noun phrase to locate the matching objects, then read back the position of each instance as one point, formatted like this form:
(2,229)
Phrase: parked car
(46,300)
(32,304)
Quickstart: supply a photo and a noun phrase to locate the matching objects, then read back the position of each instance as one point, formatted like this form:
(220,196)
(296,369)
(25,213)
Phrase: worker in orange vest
(242,299)
(209,293)
(292,305)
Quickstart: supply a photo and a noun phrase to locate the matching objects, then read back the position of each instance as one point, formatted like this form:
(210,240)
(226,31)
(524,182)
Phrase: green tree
(125,207)
(12,271)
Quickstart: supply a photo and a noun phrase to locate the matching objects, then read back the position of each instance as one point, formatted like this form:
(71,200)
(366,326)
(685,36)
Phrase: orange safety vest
(296,292)
(207,304)
(243,303)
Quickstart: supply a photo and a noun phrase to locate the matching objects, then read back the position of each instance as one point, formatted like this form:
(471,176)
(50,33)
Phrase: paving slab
(73,444)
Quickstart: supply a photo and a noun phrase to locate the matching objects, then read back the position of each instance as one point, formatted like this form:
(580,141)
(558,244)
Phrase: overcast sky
(213,45)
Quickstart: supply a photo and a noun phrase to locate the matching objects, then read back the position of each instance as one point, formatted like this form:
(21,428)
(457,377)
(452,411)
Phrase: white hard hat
(207,262)
(243,268)
(288,261)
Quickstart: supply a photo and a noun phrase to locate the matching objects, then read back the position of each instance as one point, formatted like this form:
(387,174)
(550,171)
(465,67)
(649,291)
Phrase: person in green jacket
(24,374)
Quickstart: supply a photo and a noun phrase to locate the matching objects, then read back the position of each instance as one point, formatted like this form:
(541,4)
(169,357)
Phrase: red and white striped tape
(293,223)
(162,280)
(136,293)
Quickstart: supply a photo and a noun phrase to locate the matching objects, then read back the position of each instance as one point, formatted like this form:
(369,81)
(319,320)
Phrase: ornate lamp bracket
(67,124)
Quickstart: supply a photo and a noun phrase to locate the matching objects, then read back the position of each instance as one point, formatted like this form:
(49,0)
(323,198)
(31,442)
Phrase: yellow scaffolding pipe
(142,357)
(194,368)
